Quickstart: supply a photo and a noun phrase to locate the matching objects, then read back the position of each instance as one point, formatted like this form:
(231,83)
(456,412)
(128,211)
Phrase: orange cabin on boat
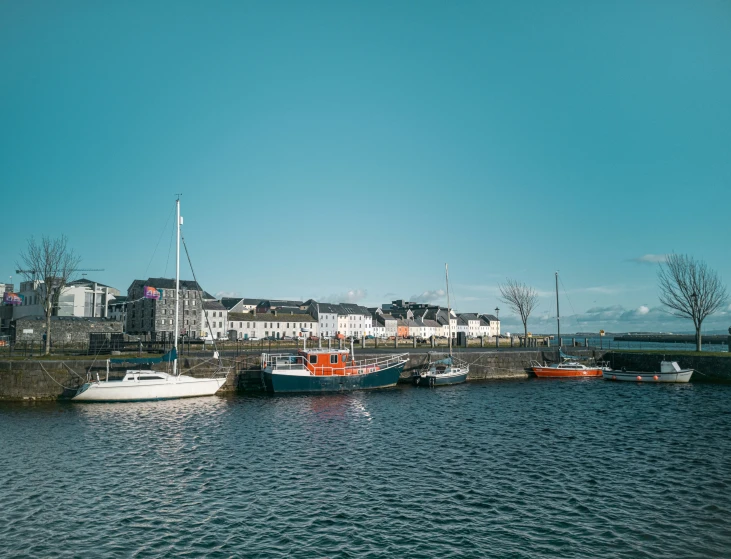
(335,362)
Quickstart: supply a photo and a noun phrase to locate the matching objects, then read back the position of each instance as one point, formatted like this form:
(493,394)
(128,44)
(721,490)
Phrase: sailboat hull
(447,379)
(556,372)
(171,388)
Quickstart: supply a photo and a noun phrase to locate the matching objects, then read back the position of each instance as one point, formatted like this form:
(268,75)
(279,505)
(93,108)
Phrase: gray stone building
(155,317)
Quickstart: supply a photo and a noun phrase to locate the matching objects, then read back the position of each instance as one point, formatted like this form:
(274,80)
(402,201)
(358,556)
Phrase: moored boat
(568,366)
(449,370)
(144,384)
(566,369)
(443,372)
(670,371)
(325,370)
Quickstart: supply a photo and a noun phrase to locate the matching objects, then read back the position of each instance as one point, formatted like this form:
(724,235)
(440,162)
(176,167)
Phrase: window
(334,358)
(313,359)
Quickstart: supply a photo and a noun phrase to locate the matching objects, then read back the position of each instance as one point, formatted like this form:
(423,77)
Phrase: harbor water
(533,468)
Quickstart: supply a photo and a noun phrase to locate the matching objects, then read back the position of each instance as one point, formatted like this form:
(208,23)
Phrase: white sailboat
(449,370)
(145,384)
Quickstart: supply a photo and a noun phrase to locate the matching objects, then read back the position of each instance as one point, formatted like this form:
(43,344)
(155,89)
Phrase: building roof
(118,300)
(352,308)
(468,316)
(213,306)
(268,317)
(67,319)
(231,302)
(166,283)
(207,296)
(279,303)
(84,281)
(490,317)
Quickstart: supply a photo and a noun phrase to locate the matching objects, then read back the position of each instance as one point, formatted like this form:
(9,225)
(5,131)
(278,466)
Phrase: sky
(346,151)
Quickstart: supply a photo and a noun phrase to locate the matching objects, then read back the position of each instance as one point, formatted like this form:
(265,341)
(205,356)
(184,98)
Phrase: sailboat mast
(177,284)
(558,315)
(449,310)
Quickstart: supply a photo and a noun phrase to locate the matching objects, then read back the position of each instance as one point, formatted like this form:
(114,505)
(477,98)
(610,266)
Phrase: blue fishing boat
(325,370)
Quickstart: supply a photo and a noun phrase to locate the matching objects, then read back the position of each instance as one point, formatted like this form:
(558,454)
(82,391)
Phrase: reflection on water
(505,469)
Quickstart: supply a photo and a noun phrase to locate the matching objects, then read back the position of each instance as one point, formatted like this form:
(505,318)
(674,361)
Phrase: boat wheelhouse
(329,370)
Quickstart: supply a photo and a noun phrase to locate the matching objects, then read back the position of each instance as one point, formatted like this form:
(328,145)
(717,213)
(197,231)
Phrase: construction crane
(35,272)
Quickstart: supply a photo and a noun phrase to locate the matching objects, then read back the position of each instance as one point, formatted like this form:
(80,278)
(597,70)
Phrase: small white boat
(670,371)
(140,385)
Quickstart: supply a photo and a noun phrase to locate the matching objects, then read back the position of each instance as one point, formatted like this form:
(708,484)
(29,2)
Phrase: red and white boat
(566,369)
(569,367)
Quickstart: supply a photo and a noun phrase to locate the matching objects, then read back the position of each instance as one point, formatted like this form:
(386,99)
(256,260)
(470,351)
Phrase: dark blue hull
(439,380)
(282,383)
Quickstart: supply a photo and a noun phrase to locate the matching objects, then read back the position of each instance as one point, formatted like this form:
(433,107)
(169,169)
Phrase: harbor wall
(59,379)
(52,380)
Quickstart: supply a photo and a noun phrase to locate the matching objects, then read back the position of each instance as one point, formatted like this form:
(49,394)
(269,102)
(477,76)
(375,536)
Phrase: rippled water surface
(534,468)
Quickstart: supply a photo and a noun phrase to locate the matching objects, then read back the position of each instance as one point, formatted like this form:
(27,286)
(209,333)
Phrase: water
(536,468)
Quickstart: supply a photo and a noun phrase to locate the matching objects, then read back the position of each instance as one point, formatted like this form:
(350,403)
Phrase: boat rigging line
(158,243)
(216,354)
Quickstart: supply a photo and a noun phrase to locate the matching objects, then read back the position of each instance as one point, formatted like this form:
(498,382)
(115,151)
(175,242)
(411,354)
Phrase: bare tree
(690,289)
(49,264)
(520,298)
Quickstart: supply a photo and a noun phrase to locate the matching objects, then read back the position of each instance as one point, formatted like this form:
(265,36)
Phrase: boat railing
(284,362)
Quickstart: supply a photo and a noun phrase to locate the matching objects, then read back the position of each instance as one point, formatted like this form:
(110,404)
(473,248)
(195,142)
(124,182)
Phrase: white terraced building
(215,326)
(246,326)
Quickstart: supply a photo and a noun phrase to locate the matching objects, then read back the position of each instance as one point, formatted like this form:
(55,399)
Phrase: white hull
(168,388)
(635,376)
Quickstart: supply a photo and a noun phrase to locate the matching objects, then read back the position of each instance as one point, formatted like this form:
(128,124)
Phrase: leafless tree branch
(521,298)
(50,264)
(690,289)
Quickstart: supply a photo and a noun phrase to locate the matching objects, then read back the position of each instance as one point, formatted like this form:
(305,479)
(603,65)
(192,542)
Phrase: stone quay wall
(52,380)
(59,379)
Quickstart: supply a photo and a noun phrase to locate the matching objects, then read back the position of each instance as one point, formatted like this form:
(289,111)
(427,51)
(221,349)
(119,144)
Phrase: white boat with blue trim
(670,371)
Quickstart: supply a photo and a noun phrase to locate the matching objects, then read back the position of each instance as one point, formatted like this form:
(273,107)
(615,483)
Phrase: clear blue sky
(347,150)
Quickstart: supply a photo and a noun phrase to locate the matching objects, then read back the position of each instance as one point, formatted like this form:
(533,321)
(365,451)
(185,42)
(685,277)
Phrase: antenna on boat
(449,311)
(558,318)
(177,283)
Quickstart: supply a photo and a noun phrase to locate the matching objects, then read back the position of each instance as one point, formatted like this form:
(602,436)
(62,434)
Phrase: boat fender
(614,377)
(639,377)
(656,377)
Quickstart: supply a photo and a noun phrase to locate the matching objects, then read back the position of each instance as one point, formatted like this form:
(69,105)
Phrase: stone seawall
(49,379)
(59,379)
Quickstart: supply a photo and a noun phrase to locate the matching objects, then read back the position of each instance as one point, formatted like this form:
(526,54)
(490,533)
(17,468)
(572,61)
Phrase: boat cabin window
(334,358)
(150,377)
(313,359)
